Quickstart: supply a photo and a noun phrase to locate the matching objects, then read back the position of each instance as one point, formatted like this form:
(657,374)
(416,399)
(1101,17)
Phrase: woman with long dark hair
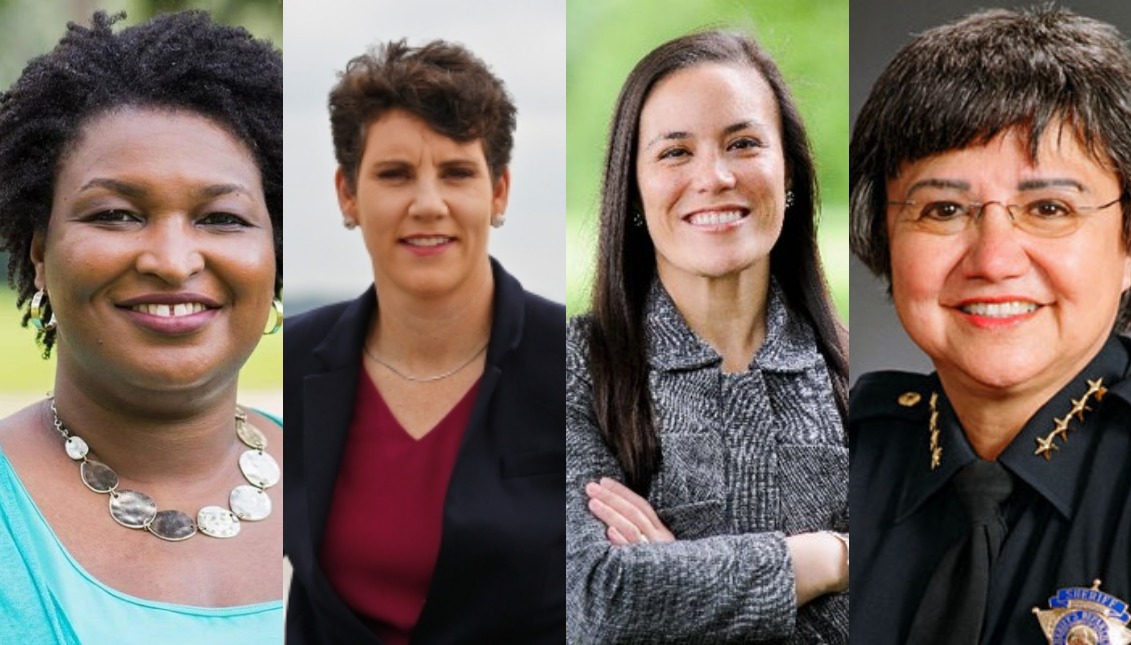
(706,389)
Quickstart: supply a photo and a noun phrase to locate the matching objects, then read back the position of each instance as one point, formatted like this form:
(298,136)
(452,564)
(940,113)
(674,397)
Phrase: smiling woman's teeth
(714,218)
(426,241)
(170,311)
(999,309)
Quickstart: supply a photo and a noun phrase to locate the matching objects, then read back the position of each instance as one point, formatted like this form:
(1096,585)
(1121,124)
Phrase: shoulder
(313,322)
(22,428)
(1121,390)
(542,313)
(336,331)
(881,398)
(578,331)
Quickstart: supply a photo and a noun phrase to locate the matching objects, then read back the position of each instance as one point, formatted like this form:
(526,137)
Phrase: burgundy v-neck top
(383,533)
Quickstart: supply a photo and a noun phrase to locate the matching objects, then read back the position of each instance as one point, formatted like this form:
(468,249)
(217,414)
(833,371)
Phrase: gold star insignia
(1045,447)
(1096,387)
(936,449)
(1078,407)
(1061,428)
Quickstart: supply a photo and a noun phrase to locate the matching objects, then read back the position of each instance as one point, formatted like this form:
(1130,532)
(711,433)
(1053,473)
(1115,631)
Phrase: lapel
(479,457)
(328,397)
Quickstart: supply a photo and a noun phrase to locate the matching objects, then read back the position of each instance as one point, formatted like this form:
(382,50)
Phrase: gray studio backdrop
(879,29)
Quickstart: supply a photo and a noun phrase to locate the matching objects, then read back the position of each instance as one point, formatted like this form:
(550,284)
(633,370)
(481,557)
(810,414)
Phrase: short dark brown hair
(964,83)
(444,84)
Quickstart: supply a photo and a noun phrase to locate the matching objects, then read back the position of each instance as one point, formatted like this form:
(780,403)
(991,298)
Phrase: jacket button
(909,399)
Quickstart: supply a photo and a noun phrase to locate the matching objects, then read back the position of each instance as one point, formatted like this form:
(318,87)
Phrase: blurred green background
(809,41)
(29,28)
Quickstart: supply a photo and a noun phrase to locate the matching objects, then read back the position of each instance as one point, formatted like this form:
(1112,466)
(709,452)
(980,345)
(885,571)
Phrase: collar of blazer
(341,345)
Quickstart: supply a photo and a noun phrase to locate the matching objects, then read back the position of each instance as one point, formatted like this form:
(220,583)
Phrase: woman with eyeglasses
(991,500)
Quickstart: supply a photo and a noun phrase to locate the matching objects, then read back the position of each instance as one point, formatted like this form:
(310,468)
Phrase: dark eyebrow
(120,187)
(669,136)
(135,191)
(955,184)
(219,190)
(740,126)
(1056,182)
(727,131)
(458,163)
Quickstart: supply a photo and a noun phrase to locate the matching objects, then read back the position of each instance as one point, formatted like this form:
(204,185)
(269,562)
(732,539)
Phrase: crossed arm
(622,589)
(819,564)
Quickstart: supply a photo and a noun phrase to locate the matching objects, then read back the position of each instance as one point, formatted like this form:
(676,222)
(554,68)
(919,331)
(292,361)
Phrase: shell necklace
(136,510)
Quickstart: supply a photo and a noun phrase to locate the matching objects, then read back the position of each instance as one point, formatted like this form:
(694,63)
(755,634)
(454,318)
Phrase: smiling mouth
(715,218)
(999,309)
(426,242)
(170,311)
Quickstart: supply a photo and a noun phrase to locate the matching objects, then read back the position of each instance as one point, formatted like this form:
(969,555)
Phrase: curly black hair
(176,61)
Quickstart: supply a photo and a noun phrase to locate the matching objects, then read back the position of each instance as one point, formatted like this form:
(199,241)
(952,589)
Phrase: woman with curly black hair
(141,202)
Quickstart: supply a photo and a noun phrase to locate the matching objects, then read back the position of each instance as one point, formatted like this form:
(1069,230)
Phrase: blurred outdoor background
(807,38)
(29,28)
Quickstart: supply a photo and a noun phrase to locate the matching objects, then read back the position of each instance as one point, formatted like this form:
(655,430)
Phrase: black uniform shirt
(1069,516)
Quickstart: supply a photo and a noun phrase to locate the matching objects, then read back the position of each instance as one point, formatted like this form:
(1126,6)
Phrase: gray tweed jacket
(747,459)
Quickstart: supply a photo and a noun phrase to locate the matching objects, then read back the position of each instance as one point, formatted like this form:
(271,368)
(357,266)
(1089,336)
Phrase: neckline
(400,434)
(8,471)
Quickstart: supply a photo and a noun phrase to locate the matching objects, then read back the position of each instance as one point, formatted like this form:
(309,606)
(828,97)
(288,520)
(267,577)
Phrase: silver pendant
(173,526)
(251,436)
(132,509)
(76,448)
(98,477)
(217,522)
(250,503)
(259,468)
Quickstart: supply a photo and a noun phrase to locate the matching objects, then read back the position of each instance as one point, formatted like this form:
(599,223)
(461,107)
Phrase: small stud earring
(788,198)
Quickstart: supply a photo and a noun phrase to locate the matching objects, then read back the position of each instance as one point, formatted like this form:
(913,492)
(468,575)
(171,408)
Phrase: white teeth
(714,218)
(999,309)
(435,240)
(170,311)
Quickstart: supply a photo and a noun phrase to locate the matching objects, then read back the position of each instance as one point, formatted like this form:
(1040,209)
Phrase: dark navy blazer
(500,573)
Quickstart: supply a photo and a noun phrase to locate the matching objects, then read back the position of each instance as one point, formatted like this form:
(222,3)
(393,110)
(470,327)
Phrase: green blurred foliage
(606,38)
(29,28)
(32,27)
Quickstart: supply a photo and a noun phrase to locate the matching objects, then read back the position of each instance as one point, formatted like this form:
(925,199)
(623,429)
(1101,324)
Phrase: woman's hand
(820,565)
(628,516)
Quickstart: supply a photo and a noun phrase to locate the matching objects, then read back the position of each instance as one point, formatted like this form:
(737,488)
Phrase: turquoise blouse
(47,597)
